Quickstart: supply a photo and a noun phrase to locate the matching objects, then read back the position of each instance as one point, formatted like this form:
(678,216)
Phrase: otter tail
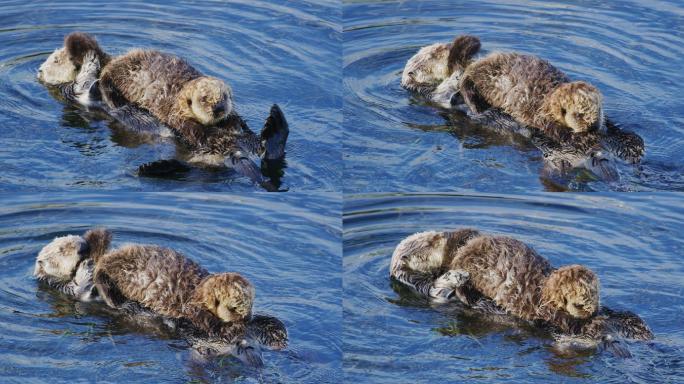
(462,51)
(98,240)
(274,134)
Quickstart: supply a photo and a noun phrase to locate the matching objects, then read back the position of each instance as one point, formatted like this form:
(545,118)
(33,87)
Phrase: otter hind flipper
(462,51)
(247,167)
(163,168)
(249,355)
(274,134)
(602,165)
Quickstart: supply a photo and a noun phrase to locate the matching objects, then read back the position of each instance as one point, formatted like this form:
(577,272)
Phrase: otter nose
(454,99)
(219,109)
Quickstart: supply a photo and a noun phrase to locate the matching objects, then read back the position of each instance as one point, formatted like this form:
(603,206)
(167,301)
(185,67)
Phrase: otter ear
(77,44)
(98,241)
(462,50)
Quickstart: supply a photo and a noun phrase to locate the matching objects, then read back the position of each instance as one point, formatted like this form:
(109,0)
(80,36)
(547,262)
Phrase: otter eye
(411,73)
(563,111)
(216,303)
(189,101)
(579,306)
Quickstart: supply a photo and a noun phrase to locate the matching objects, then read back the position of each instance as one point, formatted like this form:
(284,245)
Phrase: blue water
(634,243)
(287,245)
(633,51)
(268,51)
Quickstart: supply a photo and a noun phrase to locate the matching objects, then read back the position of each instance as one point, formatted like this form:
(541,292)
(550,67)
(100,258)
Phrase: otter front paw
(453,279)
(446,286)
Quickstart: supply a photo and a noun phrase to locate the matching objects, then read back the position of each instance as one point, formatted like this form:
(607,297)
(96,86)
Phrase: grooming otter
(437,73)
(203,119)
(71,255)
(66,264)
(499,274)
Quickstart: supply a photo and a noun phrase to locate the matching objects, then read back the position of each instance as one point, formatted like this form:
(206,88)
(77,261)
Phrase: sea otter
(500,274)
(203,119)
(526,87)
(66,263)
(69,256)
(436,73)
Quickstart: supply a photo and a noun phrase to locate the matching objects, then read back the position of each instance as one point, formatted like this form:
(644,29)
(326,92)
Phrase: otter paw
(455,278)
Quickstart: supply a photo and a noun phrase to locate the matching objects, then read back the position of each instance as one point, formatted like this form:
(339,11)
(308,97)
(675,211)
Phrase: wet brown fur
(523,283)
(162,84)
(533,92)
(169,284)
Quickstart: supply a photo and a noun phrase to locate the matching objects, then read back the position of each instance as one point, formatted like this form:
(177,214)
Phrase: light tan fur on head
(206,99)
(577,105)
(57,68)
(573,289)
(63,65)
(59,259)
(427,68)
(228,296)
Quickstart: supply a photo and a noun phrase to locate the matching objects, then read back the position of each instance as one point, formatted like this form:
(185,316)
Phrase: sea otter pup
(66,263)
(171,285)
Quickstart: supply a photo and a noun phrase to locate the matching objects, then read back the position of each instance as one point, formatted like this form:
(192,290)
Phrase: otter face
(58,68)
(211,100)
(422,251)
(426,69)
(573,289)
(60,258)
(228,296)
(578,105)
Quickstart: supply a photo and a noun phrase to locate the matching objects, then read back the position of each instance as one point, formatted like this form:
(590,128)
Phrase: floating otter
(171,285)
(203,118)
(66,263)
(500,274)
(437,73)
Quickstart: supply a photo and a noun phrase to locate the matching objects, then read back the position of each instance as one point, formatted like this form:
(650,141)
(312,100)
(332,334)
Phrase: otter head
(440,66)
(209,99)
(573,289)
(228,296)
(58,68)
(60,258)
(578,106)
(63,64)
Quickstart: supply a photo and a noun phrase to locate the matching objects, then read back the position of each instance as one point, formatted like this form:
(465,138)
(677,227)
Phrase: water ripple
(632,241)
(631,50)
(288,245)
(269,52)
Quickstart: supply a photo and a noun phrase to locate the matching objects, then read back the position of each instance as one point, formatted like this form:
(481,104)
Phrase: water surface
(633,242)
(268,52)
(631,50)
(288,246)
